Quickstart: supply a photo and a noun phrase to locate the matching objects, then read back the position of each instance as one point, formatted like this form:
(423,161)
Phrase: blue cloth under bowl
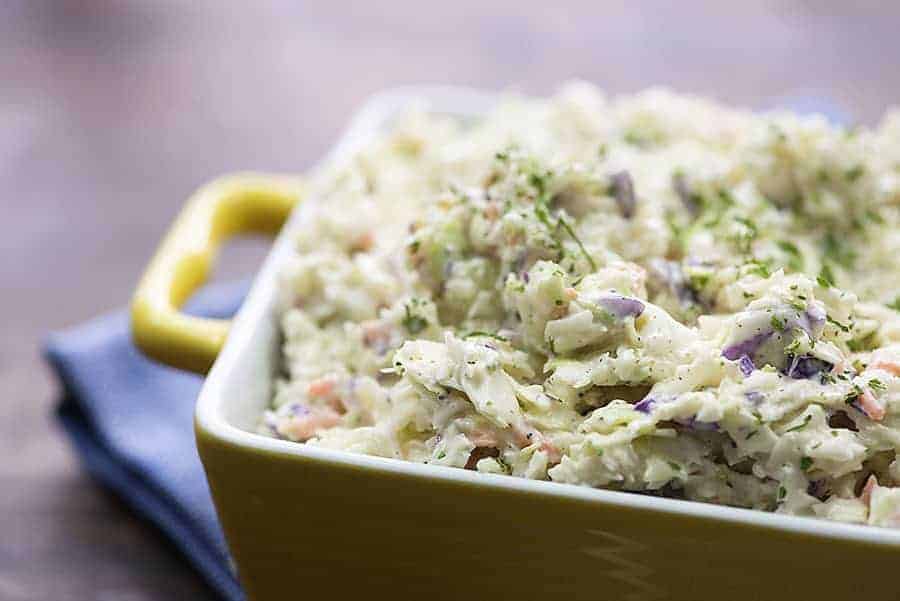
(131,423)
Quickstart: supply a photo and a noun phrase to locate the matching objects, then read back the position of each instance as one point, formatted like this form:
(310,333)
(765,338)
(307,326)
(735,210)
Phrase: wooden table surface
(111,112)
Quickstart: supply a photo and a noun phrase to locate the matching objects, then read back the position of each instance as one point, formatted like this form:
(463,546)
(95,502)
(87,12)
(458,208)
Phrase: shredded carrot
(866,494)
(320,388)
(871,406)
(892,367)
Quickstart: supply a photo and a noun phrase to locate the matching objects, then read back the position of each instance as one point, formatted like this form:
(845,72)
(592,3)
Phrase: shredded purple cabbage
(622,188)
(810,321)
(694,424)
(754,396)
(621,306)
(745,363)
(816,315)
(645,405)
(746,347)
(272,425)
(298,409)
(804,367)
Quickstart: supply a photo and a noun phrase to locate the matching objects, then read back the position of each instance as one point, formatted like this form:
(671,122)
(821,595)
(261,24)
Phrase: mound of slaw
(651,293)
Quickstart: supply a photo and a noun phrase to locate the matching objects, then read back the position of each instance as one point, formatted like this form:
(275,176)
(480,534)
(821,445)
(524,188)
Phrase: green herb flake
(796,304)
(778,323)
(876,384)
(413,323)
(749,224)
(806,421)
(875,217)
(805,463)
(838,251)
(837,324)
(565,225)
(865,343)
(636,138)
(751,434)
(795,257)
(782,492)
(852,398)
(854,173)
(474,333)
(674,466)
(756,267)
(825,278)
(441,455)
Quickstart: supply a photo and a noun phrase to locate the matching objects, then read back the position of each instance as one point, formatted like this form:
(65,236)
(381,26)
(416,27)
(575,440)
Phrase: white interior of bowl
(238,387)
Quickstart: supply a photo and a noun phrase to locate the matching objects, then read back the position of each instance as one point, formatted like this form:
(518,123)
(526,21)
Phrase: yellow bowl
(309,522)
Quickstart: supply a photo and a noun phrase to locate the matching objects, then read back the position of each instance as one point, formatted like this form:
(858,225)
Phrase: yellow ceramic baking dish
(312,523)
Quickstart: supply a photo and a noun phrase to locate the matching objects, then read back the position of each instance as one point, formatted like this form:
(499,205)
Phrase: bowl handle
(244,203)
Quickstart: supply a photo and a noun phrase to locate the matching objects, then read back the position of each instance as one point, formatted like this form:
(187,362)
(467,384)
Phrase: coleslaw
(651,293)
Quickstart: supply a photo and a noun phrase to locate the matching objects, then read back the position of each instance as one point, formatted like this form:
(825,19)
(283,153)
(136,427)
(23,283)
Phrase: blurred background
(112,112)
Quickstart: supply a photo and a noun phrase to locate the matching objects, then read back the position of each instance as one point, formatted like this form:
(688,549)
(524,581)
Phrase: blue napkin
(130,421)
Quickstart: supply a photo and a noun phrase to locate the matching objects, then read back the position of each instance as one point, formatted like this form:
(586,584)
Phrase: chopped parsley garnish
(637,138)
(485,334)
(539,182)
(782,492)
(852,398)
(836,323)
(796,304)
(876,384)
(793,347)
(757,267)
(565,225)
(805,463)
(838,251)
(854,173)
(795,258)
(826,277)
(865,343)
(413,323)
(778,323)
(875,217)
(441,455)
(542,212)
(806,421)
(747,223)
